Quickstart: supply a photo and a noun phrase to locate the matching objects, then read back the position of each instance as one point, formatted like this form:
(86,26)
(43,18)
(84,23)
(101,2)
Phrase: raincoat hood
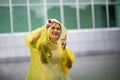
(50,22)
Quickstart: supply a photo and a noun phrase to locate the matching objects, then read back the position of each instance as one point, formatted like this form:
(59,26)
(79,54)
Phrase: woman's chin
(55,39)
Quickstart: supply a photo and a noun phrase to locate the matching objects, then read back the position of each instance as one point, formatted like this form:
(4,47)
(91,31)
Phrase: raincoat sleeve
(34,35)
(36,71)
(68,59)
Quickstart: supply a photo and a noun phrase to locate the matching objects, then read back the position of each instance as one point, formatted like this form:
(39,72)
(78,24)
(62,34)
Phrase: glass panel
(36,1)
(85,16)
(53,12)
(100,16)
(4,20)
(20,22)
(37,16)
(84,0)
(117,15)
(52,1)
(69,1)
(70,18)
(113,0)
(4,1)
(18,1)
(112,18)
(99,0)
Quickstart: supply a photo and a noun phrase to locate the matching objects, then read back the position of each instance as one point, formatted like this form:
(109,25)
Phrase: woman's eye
(53,28)
(58,28)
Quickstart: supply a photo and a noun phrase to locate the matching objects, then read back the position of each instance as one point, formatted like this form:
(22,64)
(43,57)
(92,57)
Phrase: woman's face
(55,32)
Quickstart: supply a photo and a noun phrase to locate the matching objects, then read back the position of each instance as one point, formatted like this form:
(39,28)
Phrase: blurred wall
(82,42)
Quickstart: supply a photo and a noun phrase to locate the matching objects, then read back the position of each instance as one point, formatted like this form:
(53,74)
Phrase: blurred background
(93,35)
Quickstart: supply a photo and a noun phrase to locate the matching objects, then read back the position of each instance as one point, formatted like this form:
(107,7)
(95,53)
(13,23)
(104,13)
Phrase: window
(85,16)
(5,20)
(114,16)
(70,20)
(26,15)
(19,1)
(69,1)
(100,1)
(53,12)
(100,16)
(84,1)
(37,16)
(52,1)
(20,22)
(4,1)
(35,1)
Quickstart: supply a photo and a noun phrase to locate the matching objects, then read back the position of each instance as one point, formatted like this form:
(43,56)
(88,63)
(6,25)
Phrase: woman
(50,59)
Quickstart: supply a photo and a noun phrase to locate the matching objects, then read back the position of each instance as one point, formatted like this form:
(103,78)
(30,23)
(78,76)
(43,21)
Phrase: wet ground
(95,67)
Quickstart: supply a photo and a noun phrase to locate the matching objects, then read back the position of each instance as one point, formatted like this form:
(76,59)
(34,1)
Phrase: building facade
(27,15)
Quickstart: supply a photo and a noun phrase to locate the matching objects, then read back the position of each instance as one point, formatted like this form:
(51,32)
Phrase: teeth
(55,34)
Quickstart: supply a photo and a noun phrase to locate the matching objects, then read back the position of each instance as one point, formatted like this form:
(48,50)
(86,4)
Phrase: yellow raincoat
(48,60)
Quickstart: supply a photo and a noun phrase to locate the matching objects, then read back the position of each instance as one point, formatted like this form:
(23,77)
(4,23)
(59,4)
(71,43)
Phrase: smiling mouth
(55,34)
